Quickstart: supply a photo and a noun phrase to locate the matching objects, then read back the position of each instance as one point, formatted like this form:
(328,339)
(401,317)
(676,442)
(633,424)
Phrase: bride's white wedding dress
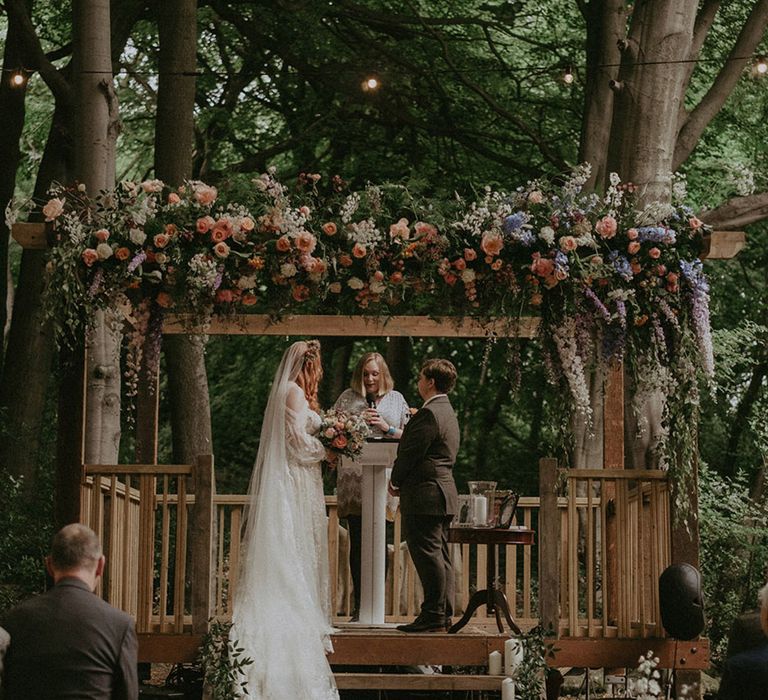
(281,614)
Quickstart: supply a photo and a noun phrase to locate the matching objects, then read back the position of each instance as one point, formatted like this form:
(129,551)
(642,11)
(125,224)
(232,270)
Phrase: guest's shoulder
(398,397)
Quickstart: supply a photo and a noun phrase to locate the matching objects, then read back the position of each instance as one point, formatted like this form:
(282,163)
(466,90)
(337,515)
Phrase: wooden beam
(388,648)
(549,546)
(357,326)
(722,245)
(416,681)
(31,236)
(201,527)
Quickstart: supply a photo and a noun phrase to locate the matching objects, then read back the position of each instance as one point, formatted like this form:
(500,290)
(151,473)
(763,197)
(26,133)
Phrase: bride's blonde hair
(311,373)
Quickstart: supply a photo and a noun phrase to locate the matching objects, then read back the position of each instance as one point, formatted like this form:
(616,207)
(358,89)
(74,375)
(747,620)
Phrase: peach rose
(661,270)
(359,250)
(633,247)
(339,442)
(161,240)
(102,235)
(334,287)
(164,299)
(221,249)
(122,253)
(606,227)
(396,277)
(248,299)
(345,260)
(450,278)
(204,224)
(460,264)
(304,211)
(221,230)
(596,260)
(496,265)
(543,267)
(470,254)
(672,277)
(568,243)
(491,243)
(536,299)
(632,234)
(329,228)
(53,209)
(655,253)
(300,292)
(635,267)
(306,242)
(283,244)
(560,274)
(205,195)
(535,197)
(89,256)
(378,275)
(641,320)
(152,186)
(425,230)
(694,222)
(247,224)
(173,198)
(224,296)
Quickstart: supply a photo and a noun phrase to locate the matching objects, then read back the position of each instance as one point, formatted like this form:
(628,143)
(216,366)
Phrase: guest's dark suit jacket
(423,469)
(68,643)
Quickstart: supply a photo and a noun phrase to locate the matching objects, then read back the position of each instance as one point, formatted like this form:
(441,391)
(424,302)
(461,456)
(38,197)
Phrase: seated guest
(371,394)
(745,674)
(67,642)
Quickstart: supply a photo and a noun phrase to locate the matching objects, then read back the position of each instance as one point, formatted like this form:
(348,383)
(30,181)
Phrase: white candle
(494,663)
(479,510)
(507,689)
(513,656)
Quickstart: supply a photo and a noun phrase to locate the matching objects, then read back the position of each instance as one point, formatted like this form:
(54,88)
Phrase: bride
(281,615)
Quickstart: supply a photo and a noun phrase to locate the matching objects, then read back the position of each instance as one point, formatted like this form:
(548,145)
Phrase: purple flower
(95,285)
(698,288)
(621,265)
(656,234)
(599,306)
(514,222)
(139,258)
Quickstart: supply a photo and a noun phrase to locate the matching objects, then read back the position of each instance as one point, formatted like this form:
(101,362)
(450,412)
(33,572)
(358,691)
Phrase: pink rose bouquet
(343,432)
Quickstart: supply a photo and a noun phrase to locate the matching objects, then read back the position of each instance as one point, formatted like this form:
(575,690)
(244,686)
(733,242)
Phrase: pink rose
(151,186)
(204,224)
(535,197)
(304,211)
(632,234)
(496,265)
(224,296)
(470,254)
(568,243)
(655,253)
(339,442)
(221,230)
(164,299)
(633,247)
(359,250)
(329,228)
(606,227)
(400,229)
(53,209)
(305,242)
(460,264)
(102,235)
(89,256)
(246,224)
(173,198)
(694,222)
(543,267)
(205,195)
(396,277)
(491,243)
(283,244)
(221,249)
(425,230)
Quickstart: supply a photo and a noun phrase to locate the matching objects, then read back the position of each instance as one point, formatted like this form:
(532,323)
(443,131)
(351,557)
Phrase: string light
(371,84)
(568,76)
(18,79)
(761,66)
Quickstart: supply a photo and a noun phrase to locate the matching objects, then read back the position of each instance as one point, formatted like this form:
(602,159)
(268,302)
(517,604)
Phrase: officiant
(372,394)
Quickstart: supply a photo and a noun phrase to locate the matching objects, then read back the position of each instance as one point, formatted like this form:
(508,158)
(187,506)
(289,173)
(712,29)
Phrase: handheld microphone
(370,399)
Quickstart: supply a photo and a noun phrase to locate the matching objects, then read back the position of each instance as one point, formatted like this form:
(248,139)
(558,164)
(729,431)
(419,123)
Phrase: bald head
(76,551)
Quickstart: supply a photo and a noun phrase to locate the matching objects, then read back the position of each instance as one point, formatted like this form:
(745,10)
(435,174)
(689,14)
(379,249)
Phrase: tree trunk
(174,139)
(12,118)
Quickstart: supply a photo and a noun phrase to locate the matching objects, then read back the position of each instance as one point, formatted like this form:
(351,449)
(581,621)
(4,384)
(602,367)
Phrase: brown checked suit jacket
(423,469)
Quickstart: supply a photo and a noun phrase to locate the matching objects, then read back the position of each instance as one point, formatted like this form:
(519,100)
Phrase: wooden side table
(493,597)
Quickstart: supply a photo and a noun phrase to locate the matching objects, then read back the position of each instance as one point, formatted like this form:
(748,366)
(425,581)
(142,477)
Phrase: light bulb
(568,76)
(761,66)
(370,84)
(18,79)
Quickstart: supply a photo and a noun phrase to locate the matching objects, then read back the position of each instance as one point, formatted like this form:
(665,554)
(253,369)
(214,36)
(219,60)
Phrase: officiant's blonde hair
(386,383)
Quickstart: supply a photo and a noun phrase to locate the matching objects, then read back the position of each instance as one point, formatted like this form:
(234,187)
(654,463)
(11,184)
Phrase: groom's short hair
(74,546)
(442,371)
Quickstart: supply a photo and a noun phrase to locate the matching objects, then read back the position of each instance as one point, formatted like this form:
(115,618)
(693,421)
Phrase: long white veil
(277,617)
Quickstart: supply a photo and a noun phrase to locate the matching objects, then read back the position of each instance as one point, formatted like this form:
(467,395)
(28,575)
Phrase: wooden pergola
(127,504)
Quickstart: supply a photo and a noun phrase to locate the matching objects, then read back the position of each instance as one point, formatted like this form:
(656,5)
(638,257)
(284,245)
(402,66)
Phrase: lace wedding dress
(281,614)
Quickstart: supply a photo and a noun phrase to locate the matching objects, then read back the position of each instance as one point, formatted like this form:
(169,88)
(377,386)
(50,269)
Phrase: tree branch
(697,121)
(50,74)
(738,212)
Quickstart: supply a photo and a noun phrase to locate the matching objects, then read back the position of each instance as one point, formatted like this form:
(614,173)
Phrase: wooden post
(201,542)
(549,547)
(613,458)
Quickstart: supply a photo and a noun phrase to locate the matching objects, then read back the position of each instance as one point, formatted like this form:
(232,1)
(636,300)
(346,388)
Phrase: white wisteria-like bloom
(364,232)
(203,272)
(350,206)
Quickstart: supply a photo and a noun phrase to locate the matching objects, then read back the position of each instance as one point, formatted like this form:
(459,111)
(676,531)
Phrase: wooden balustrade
(154,529)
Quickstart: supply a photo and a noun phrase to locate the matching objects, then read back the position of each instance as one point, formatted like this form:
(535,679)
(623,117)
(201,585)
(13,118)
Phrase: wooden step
(415,681)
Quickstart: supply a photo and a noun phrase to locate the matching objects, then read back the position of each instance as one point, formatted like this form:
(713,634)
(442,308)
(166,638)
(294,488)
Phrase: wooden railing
(172,554)
(157,539)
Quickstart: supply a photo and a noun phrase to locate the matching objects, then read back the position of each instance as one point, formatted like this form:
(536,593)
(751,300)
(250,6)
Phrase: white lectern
(377,457)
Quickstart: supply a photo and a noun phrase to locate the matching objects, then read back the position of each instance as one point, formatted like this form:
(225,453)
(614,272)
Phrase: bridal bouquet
(343,432)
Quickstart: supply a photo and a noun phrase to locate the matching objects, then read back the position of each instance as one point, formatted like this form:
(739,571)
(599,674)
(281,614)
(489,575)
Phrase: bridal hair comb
(313,350)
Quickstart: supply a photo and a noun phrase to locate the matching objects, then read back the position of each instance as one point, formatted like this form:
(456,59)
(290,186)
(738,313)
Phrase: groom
(422,476)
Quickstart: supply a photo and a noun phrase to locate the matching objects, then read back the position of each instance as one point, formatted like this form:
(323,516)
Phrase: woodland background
(471,94)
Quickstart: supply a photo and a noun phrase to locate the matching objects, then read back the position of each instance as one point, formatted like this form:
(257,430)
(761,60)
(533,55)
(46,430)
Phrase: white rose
(467,275)
(288,269)
(104,251)
(355,283)
(137,236)
(377,287)
(547,234)
(152,186)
